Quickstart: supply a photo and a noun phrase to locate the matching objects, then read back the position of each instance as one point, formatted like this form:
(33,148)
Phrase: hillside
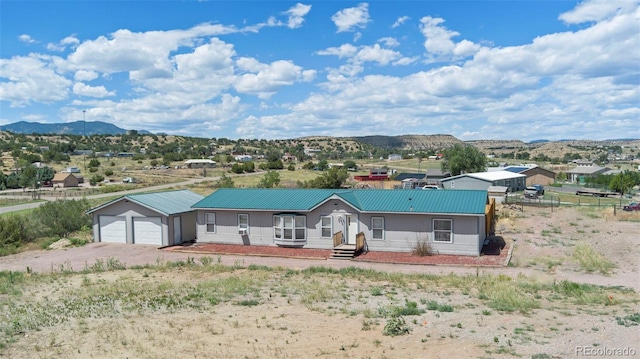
(409,142)
(79,128)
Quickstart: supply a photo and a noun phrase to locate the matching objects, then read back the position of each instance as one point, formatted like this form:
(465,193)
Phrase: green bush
(61,217)
(13,233)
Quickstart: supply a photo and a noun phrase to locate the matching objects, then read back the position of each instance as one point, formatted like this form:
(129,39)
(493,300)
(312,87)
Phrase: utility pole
(84,135)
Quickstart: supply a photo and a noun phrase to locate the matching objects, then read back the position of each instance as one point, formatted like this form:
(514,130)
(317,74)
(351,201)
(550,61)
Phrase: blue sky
(276,69)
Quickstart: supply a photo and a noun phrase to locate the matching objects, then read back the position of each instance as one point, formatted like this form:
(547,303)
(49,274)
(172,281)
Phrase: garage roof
(167,203)
(368,200)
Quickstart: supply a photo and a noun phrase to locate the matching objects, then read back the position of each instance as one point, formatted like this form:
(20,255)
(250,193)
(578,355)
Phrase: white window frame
(280,226)
(323,227)
(438,232)
(374,229)
(208,222)
(243,226)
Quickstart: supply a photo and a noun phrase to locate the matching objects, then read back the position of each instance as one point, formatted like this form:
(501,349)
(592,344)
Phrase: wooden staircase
(347,251)
(344,251)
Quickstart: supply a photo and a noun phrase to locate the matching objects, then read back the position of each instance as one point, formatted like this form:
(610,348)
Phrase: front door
(351,228)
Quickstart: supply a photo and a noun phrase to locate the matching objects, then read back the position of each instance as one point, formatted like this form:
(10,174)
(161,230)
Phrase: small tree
(463,159)
(225,182)
(271,179)
(61,217)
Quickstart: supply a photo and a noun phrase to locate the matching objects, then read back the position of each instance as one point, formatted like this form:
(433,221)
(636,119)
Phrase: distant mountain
(69,128)
(539,141)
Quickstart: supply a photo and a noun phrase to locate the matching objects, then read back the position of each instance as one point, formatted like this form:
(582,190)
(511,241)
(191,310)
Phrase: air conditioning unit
(242,231)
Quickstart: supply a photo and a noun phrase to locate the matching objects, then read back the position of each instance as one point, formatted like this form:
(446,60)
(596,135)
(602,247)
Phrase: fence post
(614,209)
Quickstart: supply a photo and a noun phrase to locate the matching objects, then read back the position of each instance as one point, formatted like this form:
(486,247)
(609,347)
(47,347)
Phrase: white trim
(450,231)
(207,223)
(322,227)
(373,229)
(241,226)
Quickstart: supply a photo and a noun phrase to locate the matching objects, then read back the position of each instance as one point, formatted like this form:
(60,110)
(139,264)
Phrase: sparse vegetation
(590,260)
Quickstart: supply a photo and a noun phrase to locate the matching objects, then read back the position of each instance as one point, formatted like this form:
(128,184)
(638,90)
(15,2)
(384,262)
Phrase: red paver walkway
(323,254)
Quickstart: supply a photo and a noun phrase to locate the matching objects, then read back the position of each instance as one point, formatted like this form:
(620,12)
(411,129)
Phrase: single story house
(409,180)
(482,181)
(65,179)
(161,219)
(583,170)
(434,175)
(452,222)
(535,174)
(200,163)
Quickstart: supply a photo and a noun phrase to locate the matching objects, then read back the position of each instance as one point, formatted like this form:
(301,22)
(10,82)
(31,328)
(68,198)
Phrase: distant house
(161,219)
(583,170)
(64,179)
(394,157)
(410,180)
(288,157)
(482,180)
(243,158)
(376,174)
(452,222)
(534,173)
(200,163)
(72,170)
(435,175)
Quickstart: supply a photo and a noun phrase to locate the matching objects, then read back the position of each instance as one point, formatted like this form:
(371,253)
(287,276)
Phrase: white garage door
(147,230)
(113,229)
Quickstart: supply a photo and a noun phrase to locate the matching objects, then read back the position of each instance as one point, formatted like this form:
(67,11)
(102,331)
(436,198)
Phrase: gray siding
(465,183)
(402,231)
(128,210)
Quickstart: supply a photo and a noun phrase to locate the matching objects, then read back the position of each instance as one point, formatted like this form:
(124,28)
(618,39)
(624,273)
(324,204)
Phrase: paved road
(78,258)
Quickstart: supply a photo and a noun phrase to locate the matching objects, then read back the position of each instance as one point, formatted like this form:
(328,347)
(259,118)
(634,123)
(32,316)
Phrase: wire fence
(557,201)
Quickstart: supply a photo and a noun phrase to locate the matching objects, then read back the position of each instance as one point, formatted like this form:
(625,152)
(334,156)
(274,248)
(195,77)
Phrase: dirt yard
(143,303)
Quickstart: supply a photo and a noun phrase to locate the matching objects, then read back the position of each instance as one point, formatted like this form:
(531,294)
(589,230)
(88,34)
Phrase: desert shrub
(396,326)
(590,260)
(61,217)
(108,172)
(13,233)
(423,248)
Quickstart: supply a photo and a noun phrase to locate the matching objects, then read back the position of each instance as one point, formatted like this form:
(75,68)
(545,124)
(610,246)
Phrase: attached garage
(113,229)
(147,230)
(160,219)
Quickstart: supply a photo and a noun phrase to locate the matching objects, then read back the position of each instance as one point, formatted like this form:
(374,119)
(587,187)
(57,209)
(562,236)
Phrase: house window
(326,224)
(210,222)
(377,228)
(289,227)
(243,223)
(442,230)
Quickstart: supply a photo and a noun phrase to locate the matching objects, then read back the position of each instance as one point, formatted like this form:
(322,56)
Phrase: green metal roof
(366,200)
(167,203)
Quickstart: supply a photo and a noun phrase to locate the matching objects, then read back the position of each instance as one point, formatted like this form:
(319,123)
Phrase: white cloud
(598,10)
(84,75)
(350,18)
(265,79)
(345,50)
(82,89)
(62,45)
(438,39)
(26,38)
(296,15)
(401,20)
(126,51)
(31,79)
(389,41)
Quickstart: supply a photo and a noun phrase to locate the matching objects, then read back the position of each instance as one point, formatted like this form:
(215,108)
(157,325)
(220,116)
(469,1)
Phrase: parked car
(539,188)
(531,192)
(635,206)
(430,187)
